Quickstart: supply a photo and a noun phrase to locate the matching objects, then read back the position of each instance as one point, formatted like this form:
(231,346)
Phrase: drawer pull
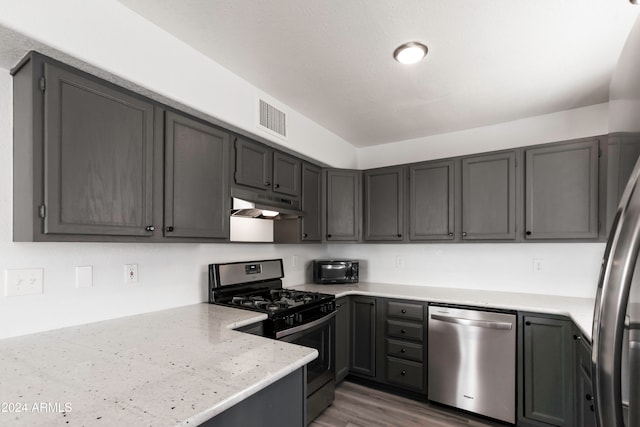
(403,372)
(589,397)
(403,330)
(403,350)
(577,337)
(404,311)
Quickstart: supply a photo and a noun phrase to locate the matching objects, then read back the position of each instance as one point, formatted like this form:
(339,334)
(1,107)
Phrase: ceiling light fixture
(410,53)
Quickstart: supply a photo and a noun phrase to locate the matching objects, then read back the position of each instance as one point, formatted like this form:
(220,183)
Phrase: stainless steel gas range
(298,317)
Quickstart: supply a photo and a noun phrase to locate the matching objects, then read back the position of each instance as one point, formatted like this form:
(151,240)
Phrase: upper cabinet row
(93,161)
(534,193)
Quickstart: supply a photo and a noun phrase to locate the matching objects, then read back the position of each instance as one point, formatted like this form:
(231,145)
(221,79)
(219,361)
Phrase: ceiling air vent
(273,119)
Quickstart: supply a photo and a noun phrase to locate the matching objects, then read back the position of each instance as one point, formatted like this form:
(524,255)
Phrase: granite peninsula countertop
(180,366)
(580,310)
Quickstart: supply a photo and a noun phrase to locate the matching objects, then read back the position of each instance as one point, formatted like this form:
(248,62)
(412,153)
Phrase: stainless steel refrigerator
(616,326)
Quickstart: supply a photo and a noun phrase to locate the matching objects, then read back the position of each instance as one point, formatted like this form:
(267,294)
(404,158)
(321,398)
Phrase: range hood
(253,205)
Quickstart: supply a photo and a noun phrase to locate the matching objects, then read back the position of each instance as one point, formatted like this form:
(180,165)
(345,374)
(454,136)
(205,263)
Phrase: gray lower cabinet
(196,187)
(489,196)
(343,205)
(431,201)
(623,150)
(281,404)
(83,155)
(546,371)
(561,187)
(583,400)
(405,345)
(363,336)
(384,204)
(311,203)
(343,337)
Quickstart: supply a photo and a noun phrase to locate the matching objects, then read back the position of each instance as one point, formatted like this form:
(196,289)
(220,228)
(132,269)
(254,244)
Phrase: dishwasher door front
(472,361)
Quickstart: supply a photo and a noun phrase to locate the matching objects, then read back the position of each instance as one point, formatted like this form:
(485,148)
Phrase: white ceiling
(490,61)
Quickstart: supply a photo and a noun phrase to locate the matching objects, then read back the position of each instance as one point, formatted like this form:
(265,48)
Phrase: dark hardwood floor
(359,406)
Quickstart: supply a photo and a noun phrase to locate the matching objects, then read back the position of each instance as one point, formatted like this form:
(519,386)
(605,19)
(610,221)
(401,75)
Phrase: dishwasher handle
(473,322)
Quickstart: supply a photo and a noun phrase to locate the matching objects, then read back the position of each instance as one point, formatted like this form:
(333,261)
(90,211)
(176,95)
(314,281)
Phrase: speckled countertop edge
(180,366)
(580,310)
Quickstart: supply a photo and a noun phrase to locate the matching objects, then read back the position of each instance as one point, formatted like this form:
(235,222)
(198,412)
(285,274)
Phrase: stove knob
(299,318)
(289,320)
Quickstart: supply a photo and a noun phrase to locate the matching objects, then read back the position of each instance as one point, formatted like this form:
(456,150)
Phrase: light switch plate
(25,281)
(130,274)
(84,276)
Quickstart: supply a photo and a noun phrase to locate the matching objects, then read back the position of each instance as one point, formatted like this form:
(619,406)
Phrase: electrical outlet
(26,281)
(130,274)
(399,262)
(294,261)
(538,265)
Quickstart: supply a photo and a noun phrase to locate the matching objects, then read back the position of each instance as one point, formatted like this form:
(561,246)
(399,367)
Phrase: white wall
(107,35)
(569,269)
(625,86)
(577,123)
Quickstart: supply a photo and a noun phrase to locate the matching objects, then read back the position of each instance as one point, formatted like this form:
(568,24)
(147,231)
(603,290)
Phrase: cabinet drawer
(410,331)
(405,310)
(405,373)
(405,350)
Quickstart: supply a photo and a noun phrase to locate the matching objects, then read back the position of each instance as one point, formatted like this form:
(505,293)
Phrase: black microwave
(327,271)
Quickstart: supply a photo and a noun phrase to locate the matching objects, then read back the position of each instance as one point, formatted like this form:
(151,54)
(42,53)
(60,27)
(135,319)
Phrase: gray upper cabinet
(253,165)
(196,187)
(561,188)
(431,201)
(311,203)
(343,205)
(97,152)
(262,168)
(383,203)
(286,174)
(489,196)
(623,151)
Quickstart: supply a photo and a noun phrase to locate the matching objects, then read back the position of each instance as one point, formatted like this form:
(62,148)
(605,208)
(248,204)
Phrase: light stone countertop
(180,366)
(580,310)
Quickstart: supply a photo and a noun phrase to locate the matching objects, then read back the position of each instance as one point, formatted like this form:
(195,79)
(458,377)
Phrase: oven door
(318,334)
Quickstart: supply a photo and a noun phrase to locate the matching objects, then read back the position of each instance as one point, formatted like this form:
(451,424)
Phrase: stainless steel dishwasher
(472,360)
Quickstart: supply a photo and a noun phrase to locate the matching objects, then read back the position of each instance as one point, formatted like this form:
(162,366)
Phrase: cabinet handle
(577,337)
(266,184)
(169,229)
(305,235)
(449,234)
(528,233)
(592,410)
(588,397)
(404,331)
(328,236)
(404,311)
(464,234)
(403,372)
(276,186)
(402,350)
(150,228)
(399,235)
(338,305)
(527,323)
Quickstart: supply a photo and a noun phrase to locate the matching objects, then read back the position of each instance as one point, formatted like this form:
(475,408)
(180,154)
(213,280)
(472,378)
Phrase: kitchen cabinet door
(489,196)
(343,205)
(584,409)
(98,157)
(561,188)
(431,201)
(253,165)
(547,371)
(196,187)
(343,329)
(311,203)
(286,174)
(623,151)
(384,203)
(363,336)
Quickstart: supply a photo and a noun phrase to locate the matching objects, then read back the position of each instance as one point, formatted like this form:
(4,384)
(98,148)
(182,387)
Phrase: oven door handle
(306,326)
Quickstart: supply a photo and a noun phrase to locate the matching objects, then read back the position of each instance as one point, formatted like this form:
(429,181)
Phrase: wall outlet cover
(130,274)
(25,281)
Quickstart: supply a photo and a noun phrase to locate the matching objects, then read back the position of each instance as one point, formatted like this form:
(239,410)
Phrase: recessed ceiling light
(410,53)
